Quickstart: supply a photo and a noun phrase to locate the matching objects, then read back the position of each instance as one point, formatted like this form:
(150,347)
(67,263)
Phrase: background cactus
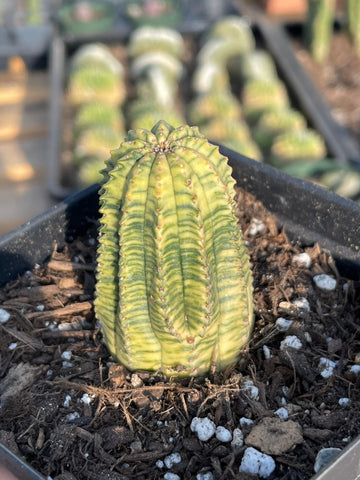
(161,39)
(174,285)
(319,26)
(353,22)
(96,114)
(297,145)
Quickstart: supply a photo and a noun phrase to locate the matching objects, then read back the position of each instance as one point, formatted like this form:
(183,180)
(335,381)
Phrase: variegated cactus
(174,284)
(319,26)
(353,22)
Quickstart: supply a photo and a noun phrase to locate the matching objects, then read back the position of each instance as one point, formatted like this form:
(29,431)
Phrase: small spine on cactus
(319,26)
(353,22)
(174,283)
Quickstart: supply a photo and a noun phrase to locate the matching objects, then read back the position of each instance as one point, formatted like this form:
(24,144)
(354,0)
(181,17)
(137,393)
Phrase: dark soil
(80,416)
(338,80)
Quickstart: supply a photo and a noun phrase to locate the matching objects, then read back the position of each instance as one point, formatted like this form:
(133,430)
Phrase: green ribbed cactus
(237,28)
(174,284)
(145,113)
(257,64)
(353,22)
(213,104)
(210,77)
(319,26)
(297,145)
(219,128)
(275,122)
(149,39)
(259,96)
(96,143)
(96,114)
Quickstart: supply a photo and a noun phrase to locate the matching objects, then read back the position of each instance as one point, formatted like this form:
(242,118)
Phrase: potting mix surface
(72,413)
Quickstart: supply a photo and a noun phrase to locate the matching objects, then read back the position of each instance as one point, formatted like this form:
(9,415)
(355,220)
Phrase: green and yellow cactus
(275,122)
(174,283)
(297,145)
(95,84)
(96,143)
(96,55)
(237,28)
(254,65)
(259,96)
(220,104)
(144,114)
(210,77)
(96,114)
(161,39)
(353,22)
(219,128)
(319,25)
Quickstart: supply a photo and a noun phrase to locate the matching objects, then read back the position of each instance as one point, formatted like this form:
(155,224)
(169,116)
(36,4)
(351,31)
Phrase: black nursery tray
(276,35)
(307,213)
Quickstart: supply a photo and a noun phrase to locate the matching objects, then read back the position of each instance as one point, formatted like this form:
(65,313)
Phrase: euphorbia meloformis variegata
(174,284)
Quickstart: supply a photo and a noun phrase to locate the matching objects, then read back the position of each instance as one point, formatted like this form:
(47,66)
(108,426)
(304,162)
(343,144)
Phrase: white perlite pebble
(246,422)
(67,364)
(12,346)
(86,399)
(282,413)
(291,341)
(171,459)
(257,463)
(302,303)
(67,401)
(171,476)
(256,226)
(324,456)
(40,308)
(238,438)
(205,476)
(223,434)
(325,282)
(344,402)
(302,259)
(267,353)
(4,315)
(326,367)
(203,427)
(282,324)
(159,464)
(66,355)
(251,390)
(355,369)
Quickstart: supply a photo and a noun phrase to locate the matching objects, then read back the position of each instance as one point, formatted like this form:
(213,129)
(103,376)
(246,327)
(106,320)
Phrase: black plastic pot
(340,143)
(308,214)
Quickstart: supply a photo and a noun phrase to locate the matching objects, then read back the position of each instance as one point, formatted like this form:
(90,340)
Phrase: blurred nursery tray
(328,98)
(61,177)
(99,439)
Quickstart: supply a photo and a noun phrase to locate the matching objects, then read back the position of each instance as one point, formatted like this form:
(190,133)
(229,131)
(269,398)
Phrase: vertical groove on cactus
(174,284)
(353,22)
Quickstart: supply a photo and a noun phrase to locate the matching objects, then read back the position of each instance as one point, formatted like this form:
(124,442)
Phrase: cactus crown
(174,285)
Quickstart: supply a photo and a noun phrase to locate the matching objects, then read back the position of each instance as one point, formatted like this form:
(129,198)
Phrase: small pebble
(251,390)
(302,303)
(40,308)
(326,367)
(4,315)
(203,427)
(71,416)
(171,459)
(302,259)
(324,456)
(344,402)
(67,364)
(66,355)
(256,226)
(325,282)
(291,341)
(308,337)
(205,476)
(86,399)
(159,464)
(12,346)
(171,476)
(238,439)
(282,324)
(282,413)
(355,369)
(136,381)
(67,401)
(267,353)
(223,434)
(246,422)
(257,463)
